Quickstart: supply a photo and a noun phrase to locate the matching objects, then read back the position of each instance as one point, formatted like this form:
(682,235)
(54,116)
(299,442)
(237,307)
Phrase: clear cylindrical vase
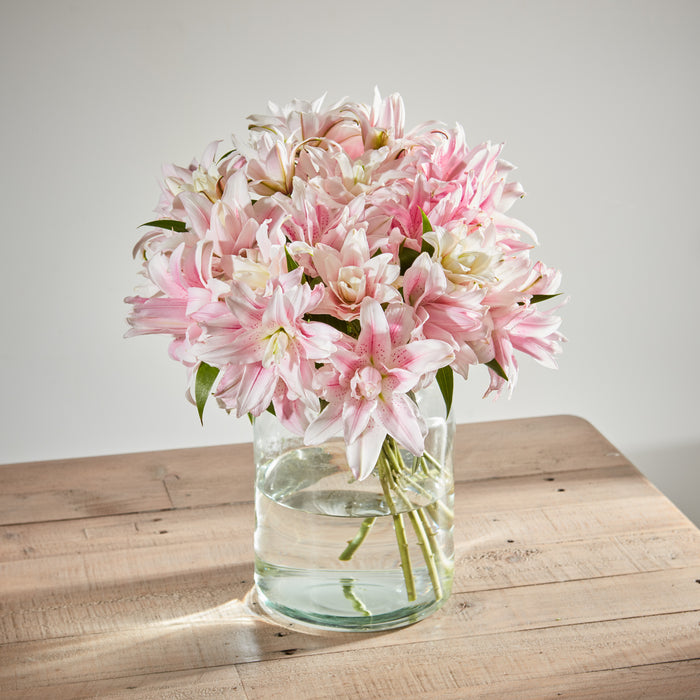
(336,553)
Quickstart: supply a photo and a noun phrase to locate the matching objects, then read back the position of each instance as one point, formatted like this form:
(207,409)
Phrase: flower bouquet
(327,272)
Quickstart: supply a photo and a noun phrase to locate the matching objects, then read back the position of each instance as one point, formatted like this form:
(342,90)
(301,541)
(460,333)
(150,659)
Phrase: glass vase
(333,552)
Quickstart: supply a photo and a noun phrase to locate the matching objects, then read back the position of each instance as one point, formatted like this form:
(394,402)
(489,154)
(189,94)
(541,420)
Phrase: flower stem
(356,541)
(349,592)
(427,547)
(434,546)
(432,460)
(439,504)
(394,474)
(399,530)
(428,555)
(426,542)
(405,557)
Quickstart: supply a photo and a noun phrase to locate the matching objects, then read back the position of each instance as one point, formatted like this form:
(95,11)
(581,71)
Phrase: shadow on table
(198,620)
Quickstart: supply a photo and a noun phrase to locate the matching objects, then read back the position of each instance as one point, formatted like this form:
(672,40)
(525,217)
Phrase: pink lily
(351,275)
(200,177)
(273,343)
(367,387)
(447,312)
(520,325)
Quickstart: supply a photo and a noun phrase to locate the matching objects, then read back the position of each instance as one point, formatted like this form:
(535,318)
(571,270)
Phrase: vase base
(342,604)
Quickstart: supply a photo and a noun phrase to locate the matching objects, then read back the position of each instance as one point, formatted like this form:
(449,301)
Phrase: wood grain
(431,669)
(131,576)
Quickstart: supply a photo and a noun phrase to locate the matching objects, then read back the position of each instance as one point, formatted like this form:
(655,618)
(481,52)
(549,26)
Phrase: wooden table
(130,576)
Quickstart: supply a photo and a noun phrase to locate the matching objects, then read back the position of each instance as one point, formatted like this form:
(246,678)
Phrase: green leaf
(204,381)
(271,409)
(445,380)
(292,264)
(427,248)
(493,364)
(337,323)
(407,257)
(354,328)
(537,298)
(169,224)
(427,226)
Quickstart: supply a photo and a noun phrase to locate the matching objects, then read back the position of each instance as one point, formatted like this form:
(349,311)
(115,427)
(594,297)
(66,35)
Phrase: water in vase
(310,513)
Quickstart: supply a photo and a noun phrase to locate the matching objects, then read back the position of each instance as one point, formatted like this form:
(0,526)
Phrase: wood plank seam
(517,586)
(145,674)
(131,513)
(624,462)
(631,666)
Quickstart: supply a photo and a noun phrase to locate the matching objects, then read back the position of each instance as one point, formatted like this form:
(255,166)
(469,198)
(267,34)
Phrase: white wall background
(598,104)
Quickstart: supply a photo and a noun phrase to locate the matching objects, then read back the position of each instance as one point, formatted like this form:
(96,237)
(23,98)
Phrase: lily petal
(363,453)
(422,356)
(402,421)
(356,417)
(374,340)
(327,424)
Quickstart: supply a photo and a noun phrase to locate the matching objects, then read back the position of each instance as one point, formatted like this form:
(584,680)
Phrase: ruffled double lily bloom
(352,275)
(270,356)
(338,256)
(367,387)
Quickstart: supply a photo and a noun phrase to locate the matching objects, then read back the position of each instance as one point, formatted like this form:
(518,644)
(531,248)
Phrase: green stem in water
(439,504)
(405,557)
(427,527)
(348,591)
(432,460)
(447,512)
(393,475)
(427,552)
(356,541)
(417,461)
(400,532)
(427,547)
